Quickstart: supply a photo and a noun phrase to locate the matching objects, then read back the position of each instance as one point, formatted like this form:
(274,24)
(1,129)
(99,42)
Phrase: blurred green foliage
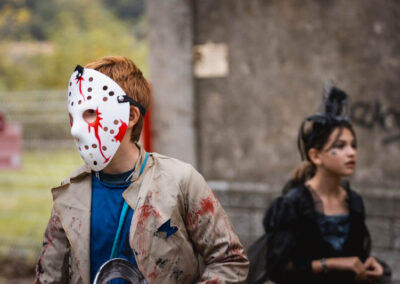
(25,198)
(41,41)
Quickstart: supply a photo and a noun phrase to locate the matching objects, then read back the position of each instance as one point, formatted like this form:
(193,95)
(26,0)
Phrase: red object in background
(2,122)
(10,145)
(147,139)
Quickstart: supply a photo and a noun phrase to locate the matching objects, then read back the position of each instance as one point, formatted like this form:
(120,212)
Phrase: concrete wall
(240,125)
(280,54)
(170,42)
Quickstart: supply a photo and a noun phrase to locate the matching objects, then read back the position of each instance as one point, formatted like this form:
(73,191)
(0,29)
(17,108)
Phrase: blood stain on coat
(234,248)
(214,281)
(206,206)
(153,274)
(77,220)
(144,213)
(39,268)
(53,225)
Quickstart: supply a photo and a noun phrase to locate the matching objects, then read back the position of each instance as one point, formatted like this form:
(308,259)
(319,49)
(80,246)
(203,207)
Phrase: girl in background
(316,231)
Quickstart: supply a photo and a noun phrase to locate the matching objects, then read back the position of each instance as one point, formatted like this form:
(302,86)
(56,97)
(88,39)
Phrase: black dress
(293,236)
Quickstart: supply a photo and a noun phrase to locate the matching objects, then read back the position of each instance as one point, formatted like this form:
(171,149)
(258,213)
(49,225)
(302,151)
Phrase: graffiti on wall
(371,114)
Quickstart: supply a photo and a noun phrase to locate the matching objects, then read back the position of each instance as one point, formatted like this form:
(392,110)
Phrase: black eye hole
(90,115)
(71,120)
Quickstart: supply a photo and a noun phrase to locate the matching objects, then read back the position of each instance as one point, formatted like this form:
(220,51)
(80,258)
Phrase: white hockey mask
(99,115)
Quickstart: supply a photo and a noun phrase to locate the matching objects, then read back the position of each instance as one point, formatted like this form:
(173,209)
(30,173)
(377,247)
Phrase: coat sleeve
(53,263)
(280,223)
(213,235)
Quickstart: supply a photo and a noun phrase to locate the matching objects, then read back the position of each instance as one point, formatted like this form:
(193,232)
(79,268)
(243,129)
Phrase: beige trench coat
(168,189)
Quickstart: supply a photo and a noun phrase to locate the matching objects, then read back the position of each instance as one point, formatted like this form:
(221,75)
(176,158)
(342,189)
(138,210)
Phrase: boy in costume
(155,211)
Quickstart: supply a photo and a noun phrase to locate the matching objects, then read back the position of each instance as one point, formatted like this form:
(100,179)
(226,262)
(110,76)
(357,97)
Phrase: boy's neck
(124,159)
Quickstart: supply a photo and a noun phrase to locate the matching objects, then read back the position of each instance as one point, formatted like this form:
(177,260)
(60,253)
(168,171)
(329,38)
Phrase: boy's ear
(134,115)
(314,156)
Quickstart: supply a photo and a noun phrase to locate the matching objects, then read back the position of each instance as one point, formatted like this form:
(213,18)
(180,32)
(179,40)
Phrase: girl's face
(339,154)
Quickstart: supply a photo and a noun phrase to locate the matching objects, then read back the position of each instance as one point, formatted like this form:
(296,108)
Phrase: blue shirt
(334,229)
(107,202)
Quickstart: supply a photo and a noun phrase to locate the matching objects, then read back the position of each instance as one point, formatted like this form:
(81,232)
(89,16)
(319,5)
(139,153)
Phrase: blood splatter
(53,225)
(143,214)
(96,124)
(78,220)
(214,281)
(121,131)
(52,229)
(145,211)
(206,206)
(153,274)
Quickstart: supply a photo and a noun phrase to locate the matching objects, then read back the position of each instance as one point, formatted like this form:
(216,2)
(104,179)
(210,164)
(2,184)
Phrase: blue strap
(124,210)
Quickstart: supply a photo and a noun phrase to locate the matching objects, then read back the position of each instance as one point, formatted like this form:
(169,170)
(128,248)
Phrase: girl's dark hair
(315,131)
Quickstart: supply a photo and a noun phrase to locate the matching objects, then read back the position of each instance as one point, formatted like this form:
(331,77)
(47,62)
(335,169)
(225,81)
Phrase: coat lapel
(147,218)
(72,202)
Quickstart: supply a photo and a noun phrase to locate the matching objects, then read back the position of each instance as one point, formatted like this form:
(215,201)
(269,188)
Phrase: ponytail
(304,172)
(300,175)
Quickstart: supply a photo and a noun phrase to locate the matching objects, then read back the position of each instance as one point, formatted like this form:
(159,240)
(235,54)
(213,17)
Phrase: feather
(335,101)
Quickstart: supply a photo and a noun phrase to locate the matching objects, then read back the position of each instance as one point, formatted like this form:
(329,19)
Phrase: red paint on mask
(121,132)
(79,81)
(96,124)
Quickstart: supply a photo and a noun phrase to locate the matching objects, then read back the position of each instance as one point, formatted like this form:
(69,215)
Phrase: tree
(78,32)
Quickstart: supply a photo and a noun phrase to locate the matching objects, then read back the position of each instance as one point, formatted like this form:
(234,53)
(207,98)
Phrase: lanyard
(124,210)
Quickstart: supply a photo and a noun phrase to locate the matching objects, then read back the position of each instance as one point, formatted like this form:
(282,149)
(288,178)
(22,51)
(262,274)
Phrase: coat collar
(72,202)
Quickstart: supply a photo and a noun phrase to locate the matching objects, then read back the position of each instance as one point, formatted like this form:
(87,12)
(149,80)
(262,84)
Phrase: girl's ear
(315,156)
(134,115)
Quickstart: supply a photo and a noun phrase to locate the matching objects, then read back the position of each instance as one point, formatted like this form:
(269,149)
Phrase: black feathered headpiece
(334,113)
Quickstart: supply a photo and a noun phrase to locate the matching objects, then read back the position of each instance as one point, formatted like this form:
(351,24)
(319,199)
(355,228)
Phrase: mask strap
(80,71)
(125,99)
